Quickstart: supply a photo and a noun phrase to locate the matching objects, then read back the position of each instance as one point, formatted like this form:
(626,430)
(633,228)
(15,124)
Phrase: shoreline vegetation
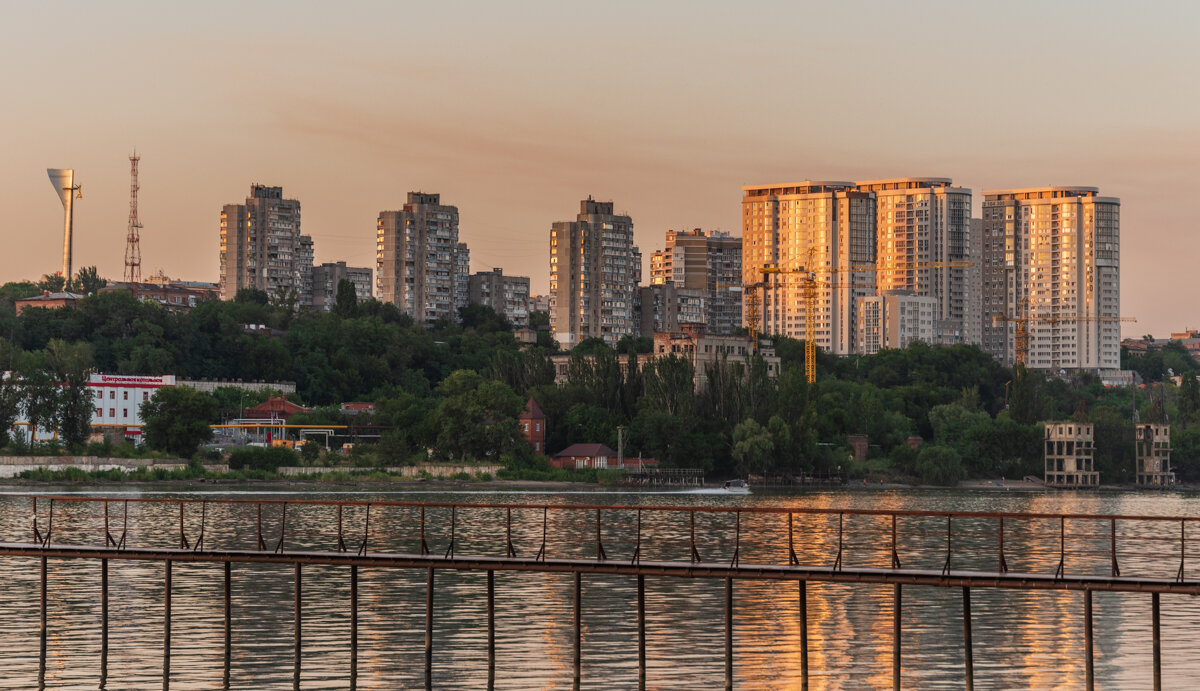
(454,391)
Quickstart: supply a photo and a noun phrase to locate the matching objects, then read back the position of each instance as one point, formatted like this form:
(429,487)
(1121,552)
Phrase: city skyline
(514,126)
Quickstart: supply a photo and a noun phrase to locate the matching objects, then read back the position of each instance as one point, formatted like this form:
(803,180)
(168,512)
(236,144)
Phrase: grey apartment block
(261,245)
(594,272)
(420,266)
(507,295)
(327,276)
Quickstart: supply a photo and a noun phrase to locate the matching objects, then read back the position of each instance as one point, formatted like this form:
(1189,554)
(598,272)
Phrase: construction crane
(811,284)
(752,308)
(1021,340)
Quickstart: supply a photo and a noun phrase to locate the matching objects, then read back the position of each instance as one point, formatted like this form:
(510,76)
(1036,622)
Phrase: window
(99,412)
(145,396)
(126,394)
(112,412)
(125,412)
(99,394)
(112,395)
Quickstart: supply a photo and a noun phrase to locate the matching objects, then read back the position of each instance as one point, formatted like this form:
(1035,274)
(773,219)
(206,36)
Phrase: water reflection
(1022,639)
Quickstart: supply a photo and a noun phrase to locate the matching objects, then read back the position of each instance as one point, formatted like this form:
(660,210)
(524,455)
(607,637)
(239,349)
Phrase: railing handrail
(775,510)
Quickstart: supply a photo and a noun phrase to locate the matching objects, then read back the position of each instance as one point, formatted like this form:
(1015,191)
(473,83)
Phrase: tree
(176,419)
(51,282)
(939,465)
(88,281)
(346,302)
(71,364)
(1189,399)
(752,447)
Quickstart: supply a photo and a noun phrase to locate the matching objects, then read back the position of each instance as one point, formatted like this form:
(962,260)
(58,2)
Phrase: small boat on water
(736,487)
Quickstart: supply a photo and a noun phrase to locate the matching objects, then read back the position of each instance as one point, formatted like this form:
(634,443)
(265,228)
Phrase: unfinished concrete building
(1153,454)
(1070,455)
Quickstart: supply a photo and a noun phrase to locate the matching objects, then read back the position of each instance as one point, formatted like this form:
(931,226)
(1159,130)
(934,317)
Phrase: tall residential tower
(420,266)
(1051,256)
(920,222)
(261,245)
(827,228)
(594,272)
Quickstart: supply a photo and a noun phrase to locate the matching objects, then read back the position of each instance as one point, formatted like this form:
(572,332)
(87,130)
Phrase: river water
(1023,639)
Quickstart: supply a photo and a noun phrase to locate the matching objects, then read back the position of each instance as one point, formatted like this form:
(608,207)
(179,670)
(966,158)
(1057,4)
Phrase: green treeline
(453,391)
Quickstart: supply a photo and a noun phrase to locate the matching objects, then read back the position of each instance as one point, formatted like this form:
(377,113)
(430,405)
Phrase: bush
(939,465)
(259,458)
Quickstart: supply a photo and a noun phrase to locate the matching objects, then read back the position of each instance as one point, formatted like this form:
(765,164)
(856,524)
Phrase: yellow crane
(752,308)
(1021,340)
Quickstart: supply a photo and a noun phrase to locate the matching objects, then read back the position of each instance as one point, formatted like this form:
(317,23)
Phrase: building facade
(822,230)
(704,263)
(1070,455)
(920,222)
(1153,454)
(594,273)
(261,245)
(420,266)
(507,295)
(895,320)
(327,276)
(1051,259)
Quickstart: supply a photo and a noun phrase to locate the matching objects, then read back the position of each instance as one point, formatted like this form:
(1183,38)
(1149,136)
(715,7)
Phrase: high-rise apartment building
(707,263)
(327,276)
(420,266)
(261,245)
(920,222)
(1051,255)
(827,228)
(594,272)
(895,320)
(507,295)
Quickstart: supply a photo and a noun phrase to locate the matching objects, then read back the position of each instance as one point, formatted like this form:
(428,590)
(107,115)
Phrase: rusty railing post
(578,626)
(896,611)
(804,635)
(104,620)
(353,626)
(491,614)
(728,634)
(1002,564)
(1090,680)
(641,626)
(43,631)
(296,594)
(968,651)
(228,620)
(428,622)
(166,680)
(1157,642)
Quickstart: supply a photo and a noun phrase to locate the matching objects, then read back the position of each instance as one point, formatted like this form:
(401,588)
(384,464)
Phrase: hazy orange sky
(515,111)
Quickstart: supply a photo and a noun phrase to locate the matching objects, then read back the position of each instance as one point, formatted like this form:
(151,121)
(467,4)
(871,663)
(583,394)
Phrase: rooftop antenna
(63,180)
(133,251)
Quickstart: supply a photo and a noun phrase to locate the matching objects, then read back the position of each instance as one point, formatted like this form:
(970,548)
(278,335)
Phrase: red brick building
(533,426)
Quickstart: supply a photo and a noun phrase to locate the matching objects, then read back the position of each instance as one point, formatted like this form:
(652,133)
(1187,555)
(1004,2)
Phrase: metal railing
(1084,552)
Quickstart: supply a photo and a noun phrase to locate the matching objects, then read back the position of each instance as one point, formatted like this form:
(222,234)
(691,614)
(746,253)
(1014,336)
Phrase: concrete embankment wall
(11,466)
(403,471)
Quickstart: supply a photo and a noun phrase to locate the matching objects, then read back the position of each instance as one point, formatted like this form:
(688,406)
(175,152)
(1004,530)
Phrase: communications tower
(133,251)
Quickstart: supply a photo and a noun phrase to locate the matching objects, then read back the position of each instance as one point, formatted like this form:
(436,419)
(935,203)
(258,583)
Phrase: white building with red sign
(116,403)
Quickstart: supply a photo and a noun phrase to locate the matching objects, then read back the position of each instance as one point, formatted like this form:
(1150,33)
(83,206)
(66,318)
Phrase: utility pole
(133,251)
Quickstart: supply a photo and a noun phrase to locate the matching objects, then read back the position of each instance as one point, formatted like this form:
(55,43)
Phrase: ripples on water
(1022,639)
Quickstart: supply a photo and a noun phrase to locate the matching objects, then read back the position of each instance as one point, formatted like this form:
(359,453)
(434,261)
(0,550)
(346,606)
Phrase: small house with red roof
(533,426)
(580,456)
(275,409)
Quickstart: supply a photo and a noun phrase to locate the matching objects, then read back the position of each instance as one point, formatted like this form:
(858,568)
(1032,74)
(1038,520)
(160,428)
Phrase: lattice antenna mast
(133,250)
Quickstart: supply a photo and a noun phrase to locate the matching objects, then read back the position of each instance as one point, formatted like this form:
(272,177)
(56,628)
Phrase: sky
(515,111)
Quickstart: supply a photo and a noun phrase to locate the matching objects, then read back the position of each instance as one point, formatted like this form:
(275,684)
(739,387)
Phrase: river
(1023,639)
